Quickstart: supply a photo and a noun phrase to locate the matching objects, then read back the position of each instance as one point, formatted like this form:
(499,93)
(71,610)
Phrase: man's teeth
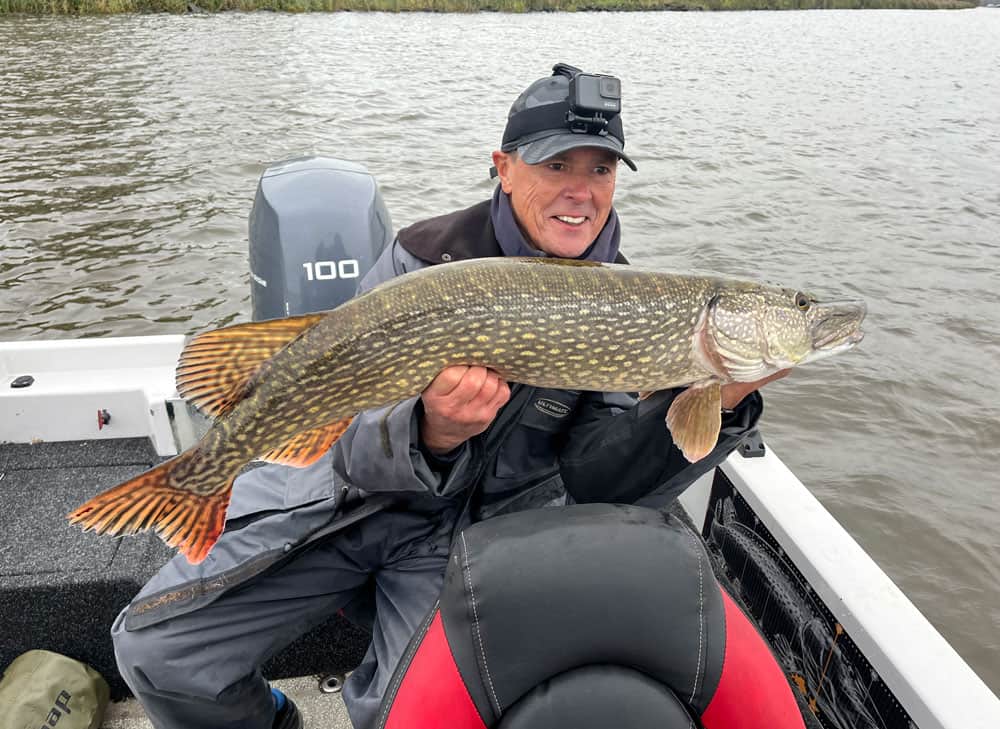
(571,220)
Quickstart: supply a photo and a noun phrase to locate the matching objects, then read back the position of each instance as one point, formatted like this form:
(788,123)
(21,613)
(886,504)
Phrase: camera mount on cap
(592,106)
(593,99)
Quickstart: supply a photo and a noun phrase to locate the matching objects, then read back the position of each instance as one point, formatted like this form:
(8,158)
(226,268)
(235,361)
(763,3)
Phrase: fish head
(751,331)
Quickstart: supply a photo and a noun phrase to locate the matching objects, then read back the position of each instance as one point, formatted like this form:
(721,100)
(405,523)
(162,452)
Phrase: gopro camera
(591,94)
(594,99)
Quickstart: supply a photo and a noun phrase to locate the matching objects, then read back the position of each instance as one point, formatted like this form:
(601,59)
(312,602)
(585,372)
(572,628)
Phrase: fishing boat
(78,416)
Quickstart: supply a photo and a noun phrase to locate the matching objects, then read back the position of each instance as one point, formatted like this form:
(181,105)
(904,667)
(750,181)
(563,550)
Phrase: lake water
(845,152)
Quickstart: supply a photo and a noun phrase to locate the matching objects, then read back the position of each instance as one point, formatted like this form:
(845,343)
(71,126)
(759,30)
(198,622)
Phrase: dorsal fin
(307,447)
(216,367)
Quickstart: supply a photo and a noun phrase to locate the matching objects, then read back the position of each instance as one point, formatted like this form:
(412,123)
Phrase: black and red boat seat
(586,616)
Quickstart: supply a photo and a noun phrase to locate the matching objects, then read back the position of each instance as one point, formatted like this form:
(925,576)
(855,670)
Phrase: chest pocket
(534,444)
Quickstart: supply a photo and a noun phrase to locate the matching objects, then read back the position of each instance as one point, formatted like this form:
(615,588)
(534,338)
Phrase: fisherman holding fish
(303,543)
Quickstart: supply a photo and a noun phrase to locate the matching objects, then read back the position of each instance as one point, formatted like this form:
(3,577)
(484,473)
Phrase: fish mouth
(839,328)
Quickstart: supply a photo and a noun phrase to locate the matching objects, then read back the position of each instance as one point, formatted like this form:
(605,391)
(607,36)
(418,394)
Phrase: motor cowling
(317,225)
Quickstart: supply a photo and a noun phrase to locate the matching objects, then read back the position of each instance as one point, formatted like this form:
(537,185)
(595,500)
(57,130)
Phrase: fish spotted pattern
(285,390)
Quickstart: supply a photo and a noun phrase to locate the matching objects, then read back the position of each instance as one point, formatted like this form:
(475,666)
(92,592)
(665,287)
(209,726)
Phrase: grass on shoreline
(109,7)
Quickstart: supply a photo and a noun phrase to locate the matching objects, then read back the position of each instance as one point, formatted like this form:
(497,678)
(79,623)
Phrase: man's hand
(459,403)
(734,392)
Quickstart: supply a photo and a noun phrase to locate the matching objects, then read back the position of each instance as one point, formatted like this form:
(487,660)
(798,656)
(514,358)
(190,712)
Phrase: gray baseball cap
(543,132)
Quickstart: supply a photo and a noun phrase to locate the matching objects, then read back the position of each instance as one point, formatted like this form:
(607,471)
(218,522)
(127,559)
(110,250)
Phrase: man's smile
(571,219)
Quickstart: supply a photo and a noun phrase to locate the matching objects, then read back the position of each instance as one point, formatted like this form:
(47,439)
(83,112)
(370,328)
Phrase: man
(385,502)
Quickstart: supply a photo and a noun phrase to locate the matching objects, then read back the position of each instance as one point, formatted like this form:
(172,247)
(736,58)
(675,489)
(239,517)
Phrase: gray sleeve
(381,452)
(381,449)
(394,261)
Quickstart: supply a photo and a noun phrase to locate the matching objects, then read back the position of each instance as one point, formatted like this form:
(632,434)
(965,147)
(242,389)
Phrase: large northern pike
(285,390)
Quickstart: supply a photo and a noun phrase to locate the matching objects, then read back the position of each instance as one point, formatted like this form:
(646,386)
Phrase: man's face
(560,204)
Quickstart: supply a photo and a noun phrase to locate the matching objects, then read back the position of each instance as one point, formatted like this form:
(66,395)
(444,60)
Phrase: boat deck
(319,710)
(61,588)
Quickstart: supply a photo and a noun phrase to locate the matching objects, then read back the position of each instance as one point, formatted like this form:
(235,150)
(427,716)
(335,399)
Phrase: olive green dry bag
(45,690)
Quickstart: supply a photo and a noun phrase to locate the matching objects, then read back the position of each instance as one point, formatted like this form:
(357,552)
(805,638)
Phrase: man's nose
(578,187)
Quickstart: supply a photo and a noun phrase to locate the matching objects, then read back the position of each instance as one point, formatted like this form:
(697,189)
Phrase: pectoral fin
(308,446)
(694,420)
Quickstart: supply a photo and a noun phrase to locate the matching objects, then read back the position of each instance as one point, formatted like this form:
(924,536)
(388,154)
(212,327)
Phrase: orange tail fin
(189,521)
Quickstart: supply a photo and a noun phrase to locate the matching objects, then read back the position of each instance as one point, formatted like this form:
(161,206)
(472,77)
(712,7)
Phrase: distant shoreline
(113,7)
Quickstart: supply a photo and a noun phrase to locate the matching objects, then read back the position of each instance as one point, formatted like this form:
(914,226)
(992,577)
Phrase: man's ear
(502,161)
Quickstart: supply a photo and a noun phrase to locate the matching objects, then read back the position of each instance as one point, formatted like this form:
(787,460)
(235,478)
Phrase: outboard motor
(316,227)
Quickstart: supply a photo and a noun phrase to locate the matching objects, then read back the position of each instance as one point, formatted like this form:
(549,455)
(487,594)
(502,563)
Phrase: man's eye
(557,166)
(602,170)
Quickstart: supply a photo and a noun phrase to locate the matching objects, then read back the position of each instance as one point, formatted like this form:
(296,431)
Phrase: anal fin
(694,420)
(308,446)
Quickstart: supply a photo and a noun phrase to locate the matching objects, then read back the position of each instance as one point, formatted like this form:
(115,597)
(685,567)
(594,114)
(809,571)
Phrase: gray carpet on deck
(61,588)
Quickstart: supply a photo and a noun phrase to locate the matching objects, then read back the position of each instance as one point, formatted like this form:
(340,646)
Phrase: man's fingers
(776,376)
(489,388)
(462,385)
(446,381)
(459,403)
(468,388)
(734,392)
(500,397)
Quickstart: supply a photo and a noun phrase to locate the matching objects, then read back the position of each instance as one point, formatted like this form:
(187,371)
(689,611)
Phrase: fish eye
(802,301)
